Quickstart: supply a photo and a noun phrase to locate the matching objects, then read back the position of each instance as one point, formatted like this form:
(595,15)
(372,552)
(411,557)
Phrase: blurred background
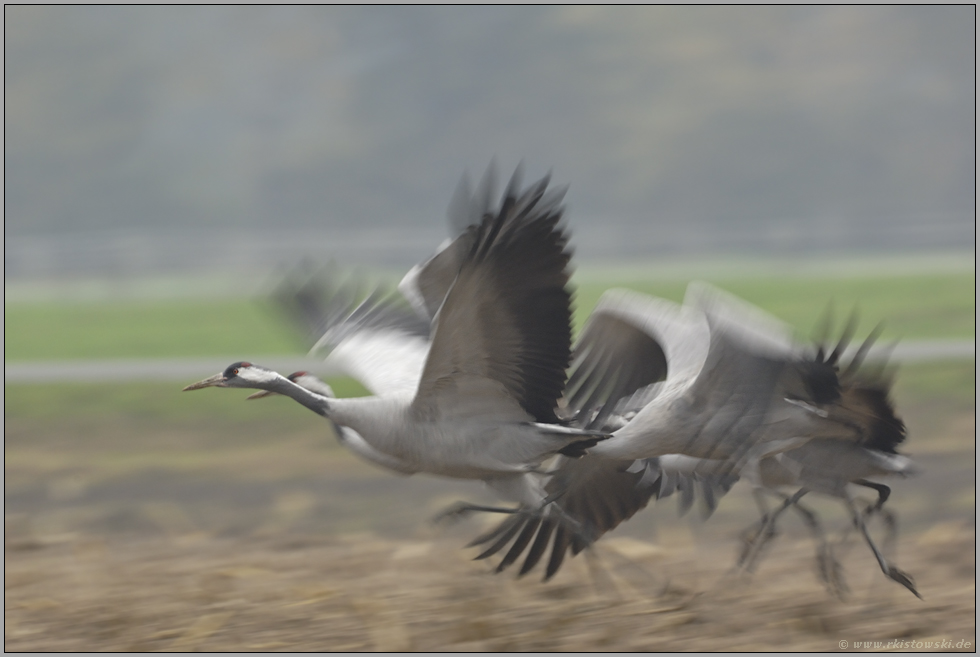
(160,139)
(164,166)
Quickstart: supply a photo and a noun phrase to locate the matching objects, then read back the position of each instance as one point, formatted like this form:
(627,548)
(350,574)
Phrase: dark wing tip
(526,254)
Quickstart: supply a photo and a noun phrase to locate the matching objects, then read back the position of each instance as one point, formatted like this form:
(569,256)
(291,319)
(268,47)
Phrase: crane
(636,350)
(384,345)
(370,350)
(828,466)
(374,346)
(484,404)
(345,435)
(478,382)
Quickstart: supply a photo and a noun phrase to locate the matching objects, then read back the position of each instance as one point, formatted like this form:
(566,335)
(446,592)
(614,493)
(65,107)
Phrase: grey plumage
(484,404)
(854,438)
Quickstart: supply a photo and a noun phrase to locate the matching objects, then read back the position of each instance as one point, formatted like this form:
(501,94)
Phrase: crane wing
(734,384)
(630,342)
(856,401)
(721,366)
(378,341)
(729,401)
(426,284)
(386,362)
(503,333)
(852,405)
(594,496)
(598,496)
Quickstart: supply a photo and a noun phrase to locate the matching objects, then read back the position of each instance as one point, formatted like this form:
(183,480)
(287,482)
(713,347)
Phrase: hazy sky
(680,126)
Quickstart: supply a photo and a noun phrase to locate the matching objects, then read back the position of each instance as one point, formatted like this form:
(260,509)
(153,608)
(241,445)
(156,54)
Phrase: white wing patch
(386,362)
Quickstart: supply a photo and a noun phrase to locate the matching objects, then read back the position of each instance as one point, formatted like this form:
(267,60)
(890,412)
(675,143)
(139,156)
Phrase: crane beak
(259,395)
(216,380)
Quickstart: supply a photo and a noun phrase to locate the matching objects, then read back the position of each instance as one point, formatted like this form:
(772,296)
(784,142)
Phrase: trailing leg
(828,567)
(456,512)
(891,571)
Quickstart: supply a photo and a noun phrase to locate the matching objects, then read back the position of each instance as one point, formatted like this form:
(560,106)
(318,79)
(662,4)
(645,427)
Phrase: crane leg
(752,535)
(891,524)
(459,510)
(828,567)
(766,532)
(884,492)
(891,571)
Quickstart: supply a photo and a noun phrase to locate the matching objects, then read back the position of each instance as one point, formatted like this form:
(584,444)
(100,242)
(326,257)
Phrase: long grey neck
(316,403)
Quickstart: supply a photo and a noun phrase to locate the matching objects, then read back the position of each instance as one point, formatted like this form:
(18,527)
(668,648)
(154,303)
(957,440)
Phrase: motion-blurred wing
(503,332)
(378,341)
(630,342)
(381,343)
(597,496)
(312,300)
(857,399)
(810,397)
(630,345)
(426,284)
(384,361)
(737,385)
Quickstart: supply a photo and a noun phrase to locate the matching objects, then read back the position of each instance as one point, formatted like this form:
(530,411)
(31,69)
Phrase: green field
(921,306)
(144,329)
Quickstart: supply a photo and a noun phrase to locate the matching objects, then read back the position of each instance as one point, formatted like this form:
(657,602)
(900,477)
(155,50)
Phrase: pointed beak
(216,380)
(258,395)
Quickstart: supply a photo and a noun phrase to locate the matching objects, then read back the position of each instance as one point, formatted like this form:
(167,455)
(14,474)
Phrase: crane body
(483,406)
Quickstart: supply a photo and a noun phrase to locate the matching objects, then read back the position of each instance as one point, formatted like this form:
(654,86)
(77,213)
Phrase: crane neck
(311,400)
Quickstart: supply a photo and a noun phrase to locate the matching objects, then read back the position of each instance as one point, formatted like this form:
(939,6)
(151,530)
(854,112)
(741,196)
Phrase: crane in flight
(374,343)
(385,347)
(638,353)
(484,404)
(828,467)
(384,344)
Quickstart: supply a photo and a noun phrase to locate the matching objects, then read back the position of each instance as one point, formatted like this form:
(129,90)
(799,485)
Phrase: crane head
(237,375)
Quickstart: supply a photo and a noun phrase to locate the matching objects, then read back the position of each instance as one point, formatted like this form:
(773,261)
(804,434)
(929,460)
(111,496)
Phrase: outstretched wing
(503,333)
(782,396)
(717,412)
(378,340)
(630,342)
(427,283)
(381,343)
(594,496)
(630,345)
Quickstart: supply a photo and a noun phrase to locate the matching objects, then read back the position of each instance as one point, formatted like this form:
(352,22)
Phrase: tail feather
(857,397)
(874,412)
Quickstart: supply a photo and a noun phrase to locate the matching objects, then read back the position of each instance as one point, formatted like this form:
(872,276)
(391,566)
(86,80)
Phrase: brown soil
(360,592)
(130,536)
